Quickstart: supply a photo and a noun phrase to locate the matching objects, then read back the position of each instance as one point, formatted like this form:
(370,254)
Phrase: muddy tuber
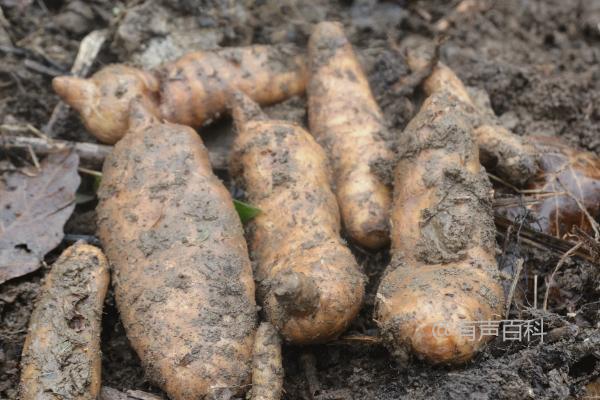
(189,91)
(181,271)
(443,275)
(347,122)
(308,280)
(510,156)
(61,356)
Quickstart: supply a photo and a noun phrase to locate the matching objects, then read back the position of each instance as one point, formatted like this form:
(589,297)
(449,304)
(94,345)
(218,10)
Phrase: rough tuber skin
(182,276)
(309,283)
(510,156)
(61,356)
(189,91)
(103,100)
(267,369)
(443,272)
(196,87)
(347,122)
(570,174)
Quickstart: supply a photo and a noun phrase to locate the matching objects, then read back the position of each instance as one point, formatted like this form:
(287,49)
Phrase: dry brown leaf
(33,211)
(568,189)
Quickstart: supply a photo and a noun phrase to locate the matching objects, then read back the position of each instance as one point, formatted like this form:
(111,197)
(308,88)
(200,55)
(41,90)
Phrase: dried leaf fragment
(33,211)
(566,189)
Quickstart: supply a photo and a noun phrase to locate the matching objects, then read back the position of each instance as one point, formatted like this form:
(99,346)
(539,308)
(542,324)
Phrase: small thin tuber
(61,356)
(347,122)
(443,276)
(308,280)
(182,275)
(189,91)
(267,369)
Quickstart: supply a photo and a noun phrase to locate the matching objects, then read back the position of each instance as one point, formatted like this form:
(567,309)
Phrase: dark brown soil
(537,59)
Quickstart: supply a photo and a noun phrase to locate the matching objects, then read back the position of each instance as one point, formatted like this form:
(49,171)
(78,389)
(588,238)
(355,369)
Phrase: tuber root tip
(296,293)
(244,109)
(140,115)
(74,91)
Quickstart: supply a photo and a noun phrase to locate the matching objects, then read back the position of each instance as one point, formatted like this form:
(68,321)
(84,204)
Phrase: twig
(90,172)
(514,188)
(592,245)
(41,68)
(513,286)
(562,260)
(360,339)
(535,290)
(583,209)
(503,182)
(88,51)
(523,200)
(540,240)
(34,158)
(90,154)
(24,128)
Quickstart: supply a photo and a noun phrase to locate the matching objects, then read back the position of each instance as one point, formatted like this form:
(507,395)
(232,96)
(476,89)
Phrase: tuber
(309,283)
(347,122)
(196,87)
(443,276)
(182,275)
(189,91)
(103,100)
(267,370)
(566,177)
(61,356)
(512,157)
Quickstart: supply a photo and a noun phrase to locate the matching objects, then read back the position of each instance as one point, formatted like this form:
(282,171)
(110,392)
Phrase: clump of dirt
(538,61)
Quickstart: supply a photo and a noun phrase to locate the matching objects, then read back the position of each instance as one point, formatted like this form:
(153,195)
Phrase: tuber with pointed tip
(103,100)
(510,156)
(347,122)
(61,356)
(181,271)
(443,273)
(189,91)
(309,283)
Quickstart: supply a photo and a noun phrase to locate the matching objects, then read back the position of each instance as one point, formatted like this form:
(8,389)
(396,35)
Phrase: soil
(537,60)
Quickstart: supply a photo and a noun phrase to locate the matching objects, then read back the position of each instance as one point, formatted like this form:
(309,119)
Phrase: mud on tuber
(183,279)
(308,281)
(189,91)
(181,272)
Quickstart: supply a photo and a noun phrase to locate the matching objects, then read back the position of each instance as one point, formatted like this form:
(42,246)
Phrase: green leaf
(97,181)
(245,211)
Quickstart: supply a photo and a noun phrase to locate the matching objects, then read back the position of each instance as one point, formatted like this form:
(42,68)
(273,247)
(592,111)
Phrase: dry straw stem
(513,286)
(560,263)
